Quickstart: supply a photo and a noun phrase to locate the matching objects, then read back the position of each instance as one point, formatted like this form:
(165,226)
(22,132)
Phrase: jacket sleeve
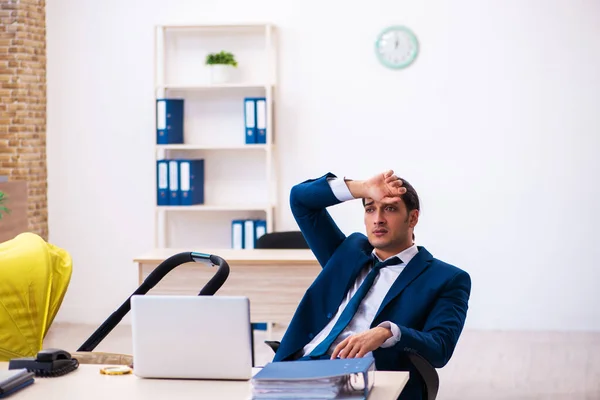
(437,340)
(308,202)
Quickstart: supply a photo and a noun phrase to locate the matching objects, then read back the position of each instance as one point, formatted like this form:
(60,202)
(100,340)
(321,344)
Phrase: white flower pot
(220,73)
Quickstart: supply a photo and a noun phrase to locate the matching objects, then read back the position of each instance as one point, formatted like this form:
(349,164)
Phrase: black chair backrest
(429,375)
(282,240)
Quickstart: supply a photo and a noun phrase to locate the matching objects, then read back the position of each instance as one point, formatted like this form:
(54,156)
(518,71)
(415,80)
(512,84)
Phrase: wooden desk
(273,280)
(87,383)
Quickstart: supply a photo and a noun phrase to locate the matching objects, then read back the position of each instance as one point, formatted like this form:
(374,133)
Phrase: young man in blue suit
(379,293)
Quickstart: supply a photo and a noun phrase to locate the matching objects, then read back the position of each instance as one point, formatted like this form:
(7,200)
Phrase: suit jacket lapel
(414,268)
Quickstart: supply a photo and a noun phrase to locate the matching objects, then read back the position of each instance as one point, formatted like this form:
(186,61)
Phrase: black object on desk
(12,381)
(48,363)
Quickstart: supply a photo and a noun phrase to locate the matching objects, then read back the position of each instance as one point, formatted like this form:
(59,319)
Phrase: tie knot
(391,261)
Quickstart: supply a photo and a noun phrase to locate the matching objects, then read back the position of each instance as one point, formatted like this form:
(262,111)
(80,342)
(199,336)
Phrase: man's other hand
(385,187)
(356,346)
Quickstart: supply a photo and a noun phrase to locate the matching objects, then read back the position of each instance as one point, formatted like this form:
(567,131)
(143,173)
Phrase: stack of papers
(317,379)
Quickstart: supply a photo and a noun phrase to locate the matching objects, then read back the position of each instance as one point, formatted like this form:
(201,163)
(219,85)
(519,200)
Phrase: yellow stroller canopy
(34,276)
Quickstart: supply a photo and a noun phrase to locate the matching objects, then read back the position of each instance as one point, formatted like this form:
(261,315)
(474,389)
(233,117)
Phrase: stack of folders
(350,378)
(169,121)
(255,115)
(245,232)
(180,182)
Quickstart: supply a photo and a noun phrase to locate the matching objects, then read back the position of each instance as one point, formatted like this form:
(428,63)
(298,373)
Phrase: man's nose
(379,220)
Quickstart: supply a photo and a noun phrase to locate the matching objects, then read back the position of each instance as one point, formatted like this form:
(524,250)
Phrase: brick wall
(23,103)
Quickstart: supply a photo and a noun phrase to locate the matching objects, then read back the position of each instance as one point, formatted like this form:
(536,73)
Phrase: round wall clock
(396,47)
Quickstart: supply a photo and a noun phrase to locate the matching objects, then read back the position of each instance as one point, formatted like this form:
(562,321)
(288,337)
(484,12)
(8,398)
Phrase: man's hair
(410,199)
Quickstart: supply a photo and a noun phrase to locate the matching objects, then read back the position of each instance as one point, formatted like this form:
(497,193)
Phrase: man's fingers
(339,348)
(399,189)
(346,351)
(363,352)
(336,351)
(392,178)
(355,350)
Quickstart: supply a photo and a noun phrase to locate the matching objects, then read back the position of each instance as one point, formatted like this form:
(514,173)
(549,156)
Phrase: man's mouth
(379,232)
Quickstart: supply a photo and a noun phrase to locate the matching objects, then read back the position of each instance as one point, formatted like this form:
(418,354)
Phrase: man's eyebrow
(369,203)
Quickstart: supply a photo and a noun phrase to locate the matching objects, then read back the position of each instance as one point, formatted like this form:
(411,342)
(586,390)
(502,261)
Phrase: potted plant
(3,208)
(221,65)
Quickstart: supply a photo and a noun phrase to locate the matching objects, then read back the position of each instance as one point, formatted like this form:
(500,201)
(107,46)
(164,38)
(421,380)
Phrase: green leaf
(222,57)
(3,209)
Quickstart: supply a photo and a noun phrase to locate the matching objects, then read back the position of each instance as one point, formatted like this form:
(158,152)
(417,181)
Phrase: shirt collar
(405,255)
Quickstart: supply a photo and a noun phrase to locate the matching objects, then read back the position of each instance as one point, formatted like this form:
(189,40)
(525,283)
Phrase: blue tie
(351,308)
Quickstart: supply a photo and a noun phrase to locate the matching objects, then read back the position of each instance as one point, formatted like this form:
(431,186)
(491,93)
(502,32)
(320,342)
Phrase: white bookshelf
(240,179)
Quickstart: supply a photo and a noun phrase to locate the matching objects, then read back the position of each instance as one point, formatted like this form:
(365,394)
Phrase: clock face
(396,47)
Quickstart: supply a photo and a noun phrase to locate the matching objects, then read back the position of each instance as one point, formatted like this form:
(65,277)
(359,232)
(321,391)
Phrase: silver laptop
(191,337)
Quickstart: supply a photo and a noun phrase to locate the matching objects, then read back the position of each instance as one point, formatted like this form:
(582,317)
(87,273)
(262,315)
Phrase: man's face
(389,226)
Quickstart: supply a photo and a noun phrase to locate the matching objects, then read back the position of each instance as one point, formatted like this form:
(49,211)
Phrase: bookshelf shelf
(229,28)
(213,115)
(192,147)
(211,86)
(225,207)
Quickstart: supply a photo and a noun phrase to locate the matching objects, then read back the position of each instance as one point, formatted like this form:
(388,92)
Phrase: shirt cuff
(395,334)
(340,189)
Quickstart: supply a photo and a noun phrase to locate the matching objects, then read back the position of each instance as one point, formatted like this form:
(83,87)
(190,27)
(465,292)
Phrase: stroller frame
(155,276)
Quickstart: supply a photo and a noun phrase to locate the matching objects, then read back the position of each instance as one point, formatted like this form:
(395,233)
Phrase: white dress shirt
(368,308)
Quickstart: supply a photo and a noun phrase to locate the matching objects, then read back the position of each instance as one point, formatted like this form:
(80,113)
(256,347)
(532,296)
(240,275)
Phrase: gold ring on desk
(116,370)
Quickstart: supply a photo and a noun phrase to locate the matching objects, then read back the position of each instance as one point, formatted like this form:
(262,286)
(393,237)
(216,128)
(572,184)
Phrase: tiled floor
(486,365)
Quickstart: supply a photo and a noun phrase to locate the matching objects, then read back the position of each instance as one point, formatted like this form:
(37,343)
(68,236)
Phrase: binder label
(184,174)
(250,123)
(161,115)
(237,235)
(261,114)
(249,234)
(162,175)
(260,230)
(173,176)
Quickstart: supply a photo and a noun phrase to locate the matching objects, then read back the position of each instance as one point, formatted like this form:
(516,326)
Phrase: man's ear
(413,218)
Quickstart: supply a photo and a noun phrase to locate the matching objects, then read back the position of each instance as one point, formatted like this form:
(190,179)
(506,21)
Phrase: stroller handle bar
(155,276)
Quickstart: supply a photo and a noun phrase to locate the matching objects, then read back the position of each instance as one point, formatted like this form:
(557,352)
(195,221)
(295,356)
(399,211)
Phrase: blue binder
(162,183)
(260,228)
(174,195)
(351,377)
(261,120)
(191,182)
(237,234)
(169,121)
(250,120)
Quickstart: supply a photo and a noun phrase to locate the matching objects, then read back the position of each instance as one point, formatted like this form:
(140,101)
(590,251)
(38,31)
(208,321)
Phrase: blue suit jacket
(428,301)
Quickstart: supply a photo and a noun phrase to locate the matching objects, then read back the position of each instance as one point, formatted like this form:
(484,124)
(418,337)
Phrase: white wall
(496,125)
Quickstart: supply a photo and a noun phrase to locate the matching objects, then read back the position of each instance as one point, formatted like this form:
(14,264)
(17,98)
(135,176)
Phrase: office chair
(282,240)
(429,375)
